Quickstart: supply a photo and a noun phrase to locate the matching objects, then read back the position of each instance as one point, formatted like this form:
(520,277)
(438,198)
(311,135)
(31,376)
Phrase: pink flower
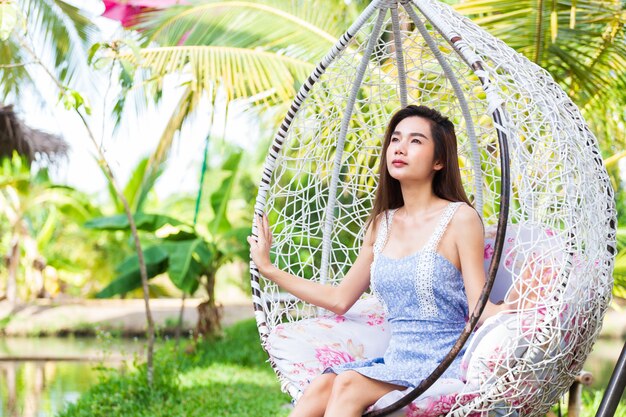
(375,319)
(328,356)
(339,318)
(126,11)
(488,251)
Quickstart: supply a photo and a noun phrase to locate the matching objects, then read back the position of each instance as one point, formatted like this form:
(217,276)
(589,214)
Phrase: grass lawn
(224,377)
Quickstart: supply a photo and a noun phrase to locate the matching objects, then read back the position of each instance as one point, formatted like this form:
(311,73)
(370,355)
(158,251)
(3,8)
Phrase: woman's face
(411,152)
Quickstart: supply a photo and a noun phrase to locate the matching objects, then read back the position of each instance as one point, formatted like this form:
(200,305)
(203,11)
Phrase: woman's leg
(315,398)
(352,393)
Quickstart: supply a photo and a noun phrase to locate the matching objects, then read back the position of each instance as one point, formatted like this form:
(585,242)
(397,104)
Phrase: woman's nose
(399,149)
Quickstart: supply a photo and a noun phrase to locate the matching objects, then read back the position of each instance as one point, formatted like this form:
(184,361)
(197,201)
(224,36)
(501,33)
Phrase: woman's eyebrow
(412,134)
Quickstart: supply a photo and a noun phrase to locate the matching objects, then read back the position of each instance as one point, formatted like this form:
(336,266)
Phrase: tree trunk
(39,285)
(209,312)
(13,264)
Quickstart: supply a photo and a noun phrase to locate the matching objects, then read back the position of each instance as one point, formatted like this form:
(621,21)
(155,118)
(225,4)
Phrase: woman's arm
(336,298)
(470,243)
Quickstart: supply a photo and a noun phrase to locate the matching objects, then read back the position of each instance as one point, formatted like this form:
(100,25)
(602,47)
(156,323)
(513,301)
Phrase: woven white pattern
(321,173)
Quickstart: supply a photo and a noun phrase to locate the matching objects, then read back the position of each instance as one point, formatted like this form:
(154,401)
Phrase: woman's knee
(347,384)
(320,385)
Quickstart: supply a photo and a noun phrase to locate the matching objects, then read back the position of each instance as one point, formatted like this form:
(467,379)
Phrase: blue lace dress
(424,297)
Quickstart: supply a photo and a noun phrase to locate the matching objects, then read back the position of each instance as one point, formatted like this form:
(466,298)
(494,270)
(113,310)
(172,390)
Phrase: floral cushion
(532,250)
(438,400)
(531,259)
(303,349)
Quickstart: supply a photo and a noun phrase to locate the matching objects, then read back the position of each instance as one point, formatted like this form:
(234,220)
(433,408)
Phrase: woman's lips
(398,163)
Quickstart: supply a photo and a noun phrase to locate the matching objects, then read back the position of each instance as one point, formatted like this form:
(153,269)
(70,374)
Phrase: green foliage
(143,221)
(9,16)
(185,252)
(129,276)
(57,27)
(138,188)
(73,100)
(43,218)
(220,198)
(591,400)
(223,377)
(619,271)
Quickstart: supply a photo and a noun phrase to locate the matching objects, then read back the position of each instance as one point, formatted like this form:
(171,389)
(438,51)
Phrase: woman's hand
(260,247)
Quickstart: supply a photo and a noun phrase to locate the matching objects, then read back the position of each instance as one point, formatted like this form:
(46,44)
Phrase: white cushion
(302,350)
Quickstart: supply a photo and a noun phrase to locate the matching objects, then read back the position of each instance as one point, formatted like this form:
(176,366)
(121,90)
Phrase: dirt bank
(122,317)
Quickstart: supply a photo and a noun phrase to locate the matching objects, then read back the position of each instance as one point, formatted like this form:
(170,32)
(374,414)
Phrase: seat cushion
(302,350)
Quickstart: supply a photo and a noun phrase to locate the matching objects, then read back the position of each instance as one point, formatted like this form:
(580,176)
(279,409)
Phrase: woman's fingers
(263,230)
(268,232)
(259,227)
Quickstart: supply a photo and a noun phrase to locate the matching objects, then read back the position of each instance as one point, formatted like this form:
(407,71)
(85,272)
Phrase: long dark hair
(446,182)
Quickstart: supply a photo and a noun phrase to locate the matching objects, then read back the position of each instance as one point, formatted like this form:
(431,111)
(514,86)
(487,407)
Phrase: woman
(422,255)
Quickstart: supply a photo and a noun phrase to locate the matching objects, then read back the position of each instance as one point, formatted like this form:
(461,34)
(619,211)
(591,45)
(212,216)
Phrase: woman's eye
(416,141)
(394,139)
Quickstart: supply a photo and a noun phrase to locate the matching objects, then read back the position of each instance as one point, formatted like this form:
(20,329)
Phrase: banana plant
(31,207)
(190,256)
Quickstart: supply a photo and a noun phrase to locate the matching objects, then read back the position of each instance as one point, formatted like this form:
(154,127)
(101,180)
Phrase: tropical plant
(57,30)
(582,44)
(190,255)
(32,209)
(254,52)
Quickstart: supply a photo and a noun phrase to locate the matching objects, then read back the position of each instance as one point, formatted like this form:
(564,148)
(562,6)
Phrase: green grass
(228,376)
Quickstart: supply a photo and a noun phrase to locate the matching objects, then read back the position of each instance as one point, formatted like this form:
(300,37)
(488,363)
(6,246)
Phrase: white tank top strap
(444,221)
(383,231)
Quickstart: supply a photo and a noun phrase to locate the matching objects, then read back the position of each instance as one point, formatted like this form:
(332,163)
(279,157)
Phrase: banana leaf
(146,222)
(221,197)
(188,261)
(129,277)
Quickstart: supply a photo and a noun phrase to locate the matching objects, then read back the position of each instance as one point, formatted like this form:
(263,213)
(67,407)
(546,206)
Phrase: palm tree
(259,52)
(59,31)
(582,43)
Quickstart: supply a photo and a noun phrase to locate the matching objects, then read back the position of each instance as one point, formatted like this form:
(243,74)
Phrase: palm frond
(584,48)
(302,30)
(14,69)
(186,106)
(60,33)
(242,73)
(65,32)
(16,136)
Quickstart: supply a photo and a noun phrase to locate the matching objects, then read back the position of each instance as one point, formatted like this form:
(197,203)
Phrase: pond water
(53,372)
(39,387)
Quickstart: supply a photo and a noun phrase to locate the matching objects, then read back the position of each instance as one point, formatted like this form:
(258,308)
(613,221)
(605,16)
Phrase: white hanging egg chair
(530,165)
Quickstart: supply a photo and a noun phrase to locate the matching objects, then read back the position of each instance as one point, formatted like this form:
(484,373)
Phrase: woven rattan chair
(529,163)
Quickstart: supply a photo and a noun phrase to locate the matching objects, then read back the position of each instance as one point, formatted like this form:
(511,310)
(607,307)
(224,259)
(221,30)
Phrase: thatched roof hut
(34,144)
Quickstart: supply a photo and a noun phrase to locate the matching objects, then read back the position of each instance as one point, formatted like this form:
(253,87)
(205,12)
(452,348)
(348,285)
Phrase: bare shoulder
(466,221)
